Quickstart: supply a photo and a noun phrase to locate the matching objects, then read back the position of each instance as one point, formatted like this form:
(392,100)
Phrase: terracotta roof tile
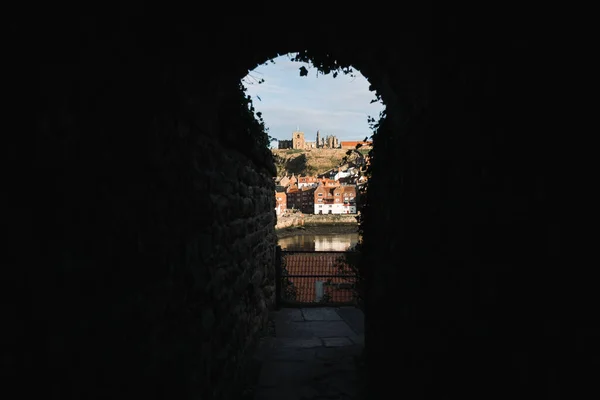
(337,288)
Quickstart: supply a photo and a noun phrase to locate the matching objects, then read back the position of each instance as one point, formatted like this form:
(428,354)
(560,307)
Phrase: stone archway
(457,217)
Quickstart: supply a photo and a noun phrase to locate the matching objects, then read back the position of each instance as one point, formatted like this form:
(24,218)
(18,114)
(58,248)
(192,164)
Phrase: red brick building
(335,200)
(352,144)
(301,199)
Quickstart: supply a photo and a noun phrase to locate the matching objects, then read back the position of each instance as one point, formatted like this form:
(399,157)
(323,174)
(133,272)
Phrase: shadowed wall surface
(143,216)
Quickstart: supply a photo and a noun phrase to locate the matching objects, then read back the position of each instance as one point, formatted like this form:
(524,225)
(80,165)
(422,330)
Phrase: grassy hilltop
(308,162)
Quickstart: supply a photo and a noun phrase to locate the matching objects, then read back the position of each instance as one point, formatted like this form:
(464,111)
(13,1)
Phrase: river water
(322,238)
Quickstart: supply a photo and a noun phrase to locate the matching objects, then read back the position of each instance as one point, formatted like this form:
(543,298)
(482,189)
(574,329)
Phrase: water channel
(319,238)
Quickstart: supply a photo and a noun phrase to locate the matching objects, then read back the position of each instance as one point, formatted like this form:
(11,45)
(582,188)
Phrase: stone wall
(213,301)
(460,260)
(237,260)
(149,272)
(299,219)
(296,219)
(340,219)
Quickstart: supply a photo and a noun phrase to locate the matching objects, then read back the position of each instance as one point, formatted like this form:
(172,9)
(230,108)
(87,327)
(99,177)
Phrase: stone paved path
(312,356)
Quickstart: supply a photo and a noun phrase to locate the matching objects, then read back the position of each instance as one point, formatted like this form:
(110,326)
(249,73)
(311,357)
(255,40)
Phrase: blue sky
(335,106)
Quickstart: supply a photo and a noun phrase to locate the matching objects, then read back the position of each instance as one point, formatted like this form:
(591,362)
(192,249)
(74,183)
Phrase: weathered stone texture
(238,271)
(161,271)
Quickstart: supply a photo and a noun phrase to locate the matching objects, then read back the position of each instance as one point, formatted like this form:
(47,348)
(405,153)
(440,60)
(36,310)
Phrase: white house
(341,174)
(307,182)
(334,208)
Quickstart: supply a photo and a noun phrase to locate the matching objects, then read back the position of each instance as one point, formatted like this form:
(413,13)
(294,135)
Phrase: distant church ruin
(327,142)
(299,142)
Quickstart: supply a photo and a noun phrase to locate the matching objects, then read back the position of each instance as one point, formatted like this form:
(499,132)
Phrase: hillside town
(334,191)
(313,195)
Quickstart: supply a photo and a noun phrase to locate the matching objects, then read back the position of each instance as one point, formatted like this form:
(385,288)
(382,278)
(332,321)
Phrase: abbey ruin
(299,142)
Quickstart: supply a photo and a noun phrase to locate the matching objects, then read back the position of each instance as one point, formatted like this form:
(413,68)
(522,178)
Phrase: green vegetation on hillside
(307,162)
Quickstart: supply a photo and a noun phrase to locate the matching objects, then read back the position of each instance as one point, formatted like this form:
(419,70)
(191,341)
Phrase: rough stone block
(248,206)
(288,393)
(257,278)
(321,314)
(337,342)
(314,328)
(286,373)
(354,317)
(288,315)
(243,189)
(358,339)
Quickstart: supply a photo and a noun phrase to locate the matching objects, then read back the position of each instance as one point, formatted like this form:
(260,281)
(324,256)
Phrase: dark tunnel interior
(141,216)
